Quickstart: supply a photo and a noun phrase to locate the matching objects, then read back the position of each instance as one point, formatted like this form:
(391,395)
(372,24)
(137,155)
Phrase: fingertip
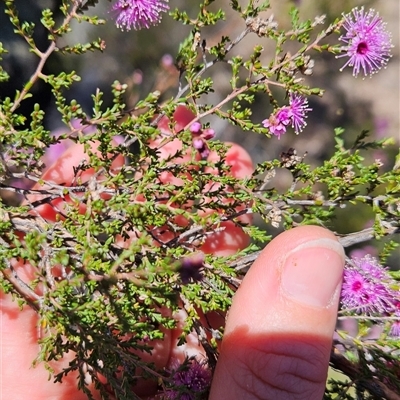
(308,259)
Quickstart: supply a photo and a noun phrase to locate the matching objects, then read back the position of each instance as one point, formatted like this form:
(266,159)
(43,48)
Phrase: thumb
(279,330)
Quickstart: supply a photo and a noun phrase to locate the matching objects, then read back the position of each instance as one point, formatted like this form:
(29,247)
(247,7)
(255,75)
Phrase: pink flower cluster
(294,114)
(200,138)
(369,289)
(138,14)
(189,381)
(368,43)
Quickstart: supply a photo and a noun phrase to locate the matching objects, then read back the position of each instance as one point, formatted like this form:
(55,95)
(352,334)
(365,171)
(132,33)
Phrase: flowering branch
(142,214)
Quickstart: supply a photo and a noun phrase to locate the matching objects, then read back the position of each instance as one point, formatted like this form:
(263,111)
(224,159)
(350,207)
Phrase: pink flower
(202,147)
(277,123)
(294,114)
(138,14)
(189,381)
(195,128)
(298,108)
(367,287)
(368,43)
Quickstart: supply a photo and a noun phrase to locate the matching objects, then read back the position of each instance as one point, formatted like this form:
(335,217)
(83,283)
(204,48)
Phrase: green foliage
(3,74)
(108,266)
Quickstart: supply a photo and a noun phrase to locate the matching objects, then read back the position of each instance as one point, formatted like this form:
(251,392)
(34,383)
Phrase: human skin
(278,333)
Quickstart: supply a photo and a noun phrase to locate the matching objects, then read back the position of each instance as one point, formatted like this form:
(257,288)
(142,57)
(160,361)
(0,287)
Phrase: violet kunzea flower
(367,287)
(138,14)
(368,43)
(190,268)
(293,114)
(298,107)
(195,128)
(200,138)
(189,382)
(277,122)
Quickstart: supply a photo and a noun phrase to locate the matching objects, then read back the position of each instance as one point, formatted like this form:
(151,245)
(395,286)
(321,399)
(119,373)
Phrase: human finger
(19,336)
(279,329)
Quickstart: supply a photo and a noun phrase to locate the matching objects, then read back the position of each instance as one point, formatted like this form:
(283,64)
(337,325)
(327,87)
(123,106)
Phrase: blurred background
(145,61)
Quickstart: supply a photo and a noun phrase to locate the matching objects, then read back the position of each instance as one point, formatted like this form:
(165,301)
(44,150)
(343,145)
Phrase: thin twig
(43,59)
(375,386)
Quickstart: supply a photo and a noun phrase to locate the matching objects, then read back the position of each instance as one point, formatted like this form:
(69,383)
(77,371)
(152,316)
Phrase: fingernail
(312,273)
